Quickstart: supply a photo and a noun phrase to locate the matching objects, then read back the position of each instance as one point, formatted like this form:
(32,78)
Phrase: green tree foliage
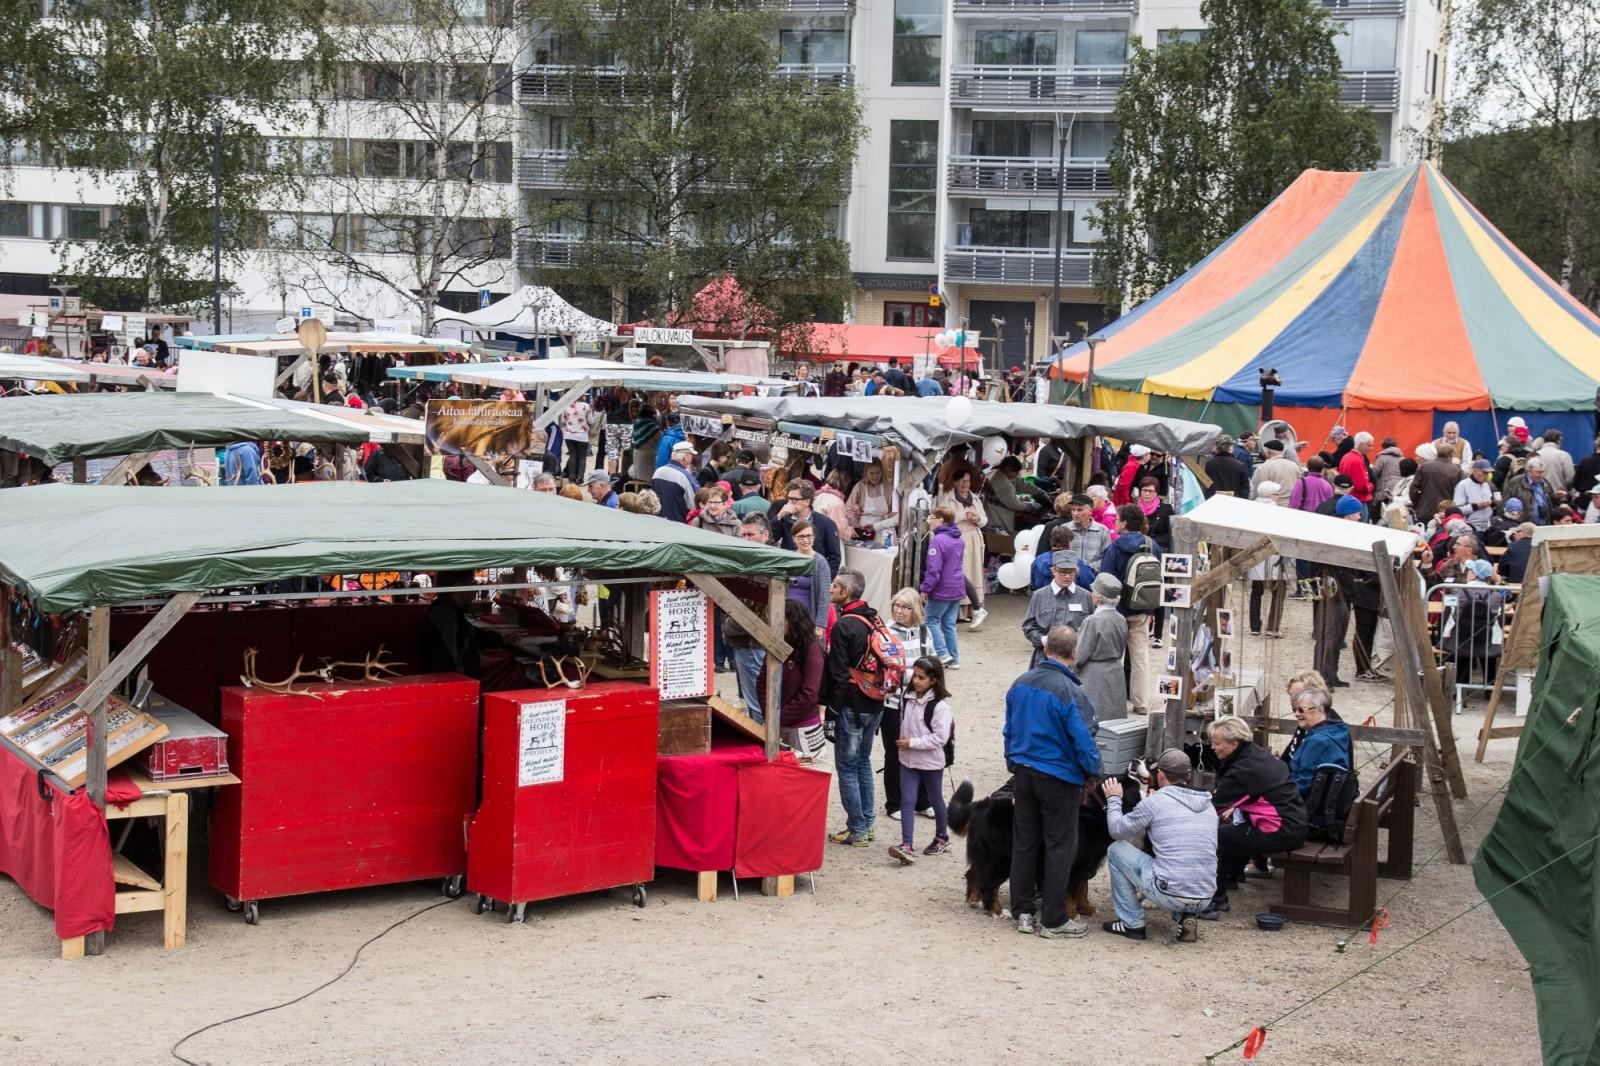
(690,159)
(1528,104)
(1210,131)
(148,82)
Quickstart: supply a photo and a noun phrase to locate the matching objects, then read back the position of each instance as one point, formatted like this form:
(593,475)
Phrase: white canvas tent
(532,310)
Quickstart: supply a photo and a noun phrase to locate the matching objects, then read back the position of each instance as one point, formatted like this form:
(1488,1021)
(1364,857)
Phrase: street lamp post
(1065,137)
(216,228)
(1088,381)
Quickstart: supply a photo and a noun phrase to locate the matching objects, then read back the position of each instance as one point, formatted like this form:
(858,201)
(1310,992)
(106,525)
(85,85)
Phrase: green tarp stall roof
(1548,899)
(75,546)
(922,421)
(54,429)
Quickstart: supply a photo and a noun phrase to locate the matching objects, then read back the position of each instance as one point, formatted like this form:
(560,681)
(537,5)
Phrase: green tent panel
(54,429)
(69,547)
(1549,900)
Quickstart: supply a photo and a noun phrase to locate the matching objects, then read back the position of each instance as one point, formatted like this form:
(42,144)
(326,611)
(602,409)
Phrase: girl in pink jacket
(926,726)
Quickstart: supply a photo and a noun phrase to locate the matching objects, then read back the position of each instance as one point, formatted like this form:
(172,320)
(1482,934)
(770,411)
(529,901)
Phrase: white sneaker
(977,618)
(944,660)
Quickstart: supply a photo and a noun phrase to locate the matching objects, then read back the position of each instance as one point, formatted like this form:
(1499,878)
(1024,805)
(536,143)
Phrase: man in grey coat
(1180,868)
(1061,603)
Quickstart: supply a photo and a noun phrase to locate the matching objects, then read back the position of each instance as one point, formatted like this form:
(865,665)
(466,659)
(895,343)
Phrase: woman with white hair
(1102,641)
(908,626)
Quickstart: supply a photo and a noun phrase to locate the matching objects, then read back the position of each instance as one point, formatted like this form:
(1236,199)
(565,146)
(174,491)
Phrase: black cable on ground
(305,995)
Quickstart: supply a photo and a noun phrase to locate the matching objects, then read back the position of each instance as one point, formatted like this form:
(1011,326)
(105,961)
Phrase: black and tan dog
(987,826)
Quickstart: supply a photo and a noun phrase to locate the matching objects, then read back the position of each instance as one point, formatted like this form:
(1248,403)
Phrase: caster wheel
(638,896)
(517,913)
(479,903)
(454,886)
(232,904)
(252,913)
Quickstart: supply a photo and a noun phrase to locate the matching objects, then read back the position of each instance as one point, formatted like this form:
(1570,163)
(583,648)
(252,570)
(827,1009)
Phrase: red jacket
(1124,491)
(1354,467)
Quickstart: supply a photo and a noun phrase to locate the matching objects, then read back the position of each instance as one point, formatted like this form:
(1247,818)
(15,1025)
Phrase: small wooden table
(137,890)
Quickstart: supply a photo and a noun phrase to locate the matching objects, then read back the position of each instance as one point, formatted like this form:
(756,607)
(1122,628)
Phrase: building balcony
(546,251)
(1375,90)
(542,169)
(816,7)
(1358,8)
(1044,7)
(1036,88)
(554,83)
(1008,176)
(1018,266)
(819,75)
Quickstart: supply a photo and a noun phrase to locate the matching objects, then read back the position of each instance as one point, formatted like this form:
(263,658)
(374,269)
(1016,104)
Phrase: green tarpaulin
(54,429)
(1552,808)
(76,546)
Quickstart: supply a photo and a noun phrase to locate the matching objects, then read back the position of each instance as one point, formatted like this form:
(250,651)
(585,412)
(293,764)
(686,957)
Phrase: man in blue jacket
(1061,538)
(1050,752)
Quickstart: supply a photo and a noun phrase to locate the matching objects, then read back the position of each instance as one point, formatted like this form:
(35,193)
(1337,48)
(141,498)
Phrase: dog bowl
(1272,923)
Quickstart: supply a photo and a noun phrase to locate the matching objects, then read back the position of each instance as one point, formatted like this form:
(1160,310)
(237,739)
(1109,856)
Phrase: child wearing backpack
(926,746)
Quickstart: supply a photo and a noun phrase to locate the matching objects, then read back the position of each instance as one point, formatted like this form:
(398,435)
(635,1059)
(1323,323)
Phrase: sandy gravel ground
(882,963)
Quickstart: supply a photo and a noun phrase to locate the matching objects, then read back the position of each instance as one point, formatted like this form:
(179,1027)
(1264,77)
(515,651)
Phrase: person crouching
(1181,876)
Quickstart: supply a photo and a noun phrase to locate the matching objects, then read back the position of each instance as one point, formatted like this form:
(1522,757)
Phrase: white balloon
(994,450)
(1028,539)
(1013,575)
(957,411)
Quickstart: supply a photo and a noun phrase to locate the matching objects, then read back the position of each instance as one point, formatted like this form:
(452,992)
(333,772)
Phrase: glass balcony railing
(1025,176)
(1030,87)
(1018,266)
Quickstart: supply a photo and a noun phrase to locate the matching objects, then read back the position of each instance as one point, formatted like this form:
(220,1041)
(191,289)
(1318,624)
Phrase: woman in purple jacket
(942,583)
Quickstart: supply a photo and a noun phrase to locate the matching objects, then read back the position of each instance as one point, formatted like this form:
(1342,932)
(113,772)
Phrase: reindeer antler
(374,668)
(584,670)
(285,687)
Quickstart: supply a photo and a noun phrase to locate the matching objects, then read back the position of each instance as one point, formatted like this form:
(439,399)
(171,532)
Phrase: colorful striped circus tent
(1384,300)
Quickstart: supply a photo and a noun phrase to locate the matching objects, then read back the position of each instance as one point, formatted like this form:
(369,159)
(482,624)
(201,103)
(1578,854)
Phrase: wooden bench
(1388,803)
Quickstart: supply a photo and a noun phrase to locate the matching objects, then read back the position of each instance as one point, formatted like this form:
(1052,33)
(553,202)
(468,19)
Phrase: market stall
(37,368)
(140,426)
(97,595)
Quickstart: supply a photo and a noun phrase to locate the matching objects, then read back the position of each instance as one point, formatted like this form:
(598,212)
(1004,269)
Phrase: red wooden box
(353,784)
(191,748)
(586,819)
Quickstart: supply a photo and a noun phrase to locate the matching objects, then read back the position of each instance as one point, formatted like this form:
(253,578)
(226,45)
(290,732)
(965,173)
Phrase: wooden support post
(80,470)
(778,886)
(769,638)
(288,373)
(1228,570)
(772,703)
(567,399)
(125,470)
(1184,542)
(486,468)
(10,661)
(1486,732)
(1155,733)
(1438,703)
(1408,646)
(72,948)
(99,648)
(706,886)
(175,872)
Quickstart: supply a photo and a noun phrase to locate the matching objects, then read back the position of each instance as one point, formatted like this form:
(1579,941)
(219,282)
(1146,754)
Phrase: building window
(1366,44)
(1012,138)
(913,183)
(1009,229)
(1092,140)
(1164,37)
(83,223)
(1015,48)
(918,41)
(810,41)
(14,220)
(1100,48)
(911,314)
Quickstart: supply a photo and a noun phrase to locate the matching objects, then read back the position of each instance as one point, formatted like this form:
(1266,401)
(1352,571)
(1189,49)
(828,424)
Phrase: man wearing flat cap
(1180,870)
(1063,602)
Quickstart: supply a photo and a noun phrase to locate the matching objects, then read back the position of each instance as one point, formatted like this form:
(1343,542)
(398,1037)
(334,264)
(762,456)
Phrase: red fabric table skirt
(58,849)
(697,805)
(732,810)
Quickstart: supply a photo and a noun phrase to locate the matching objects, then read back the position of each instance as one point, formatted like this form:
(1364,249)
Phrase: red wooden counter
(349,784)
(569,785)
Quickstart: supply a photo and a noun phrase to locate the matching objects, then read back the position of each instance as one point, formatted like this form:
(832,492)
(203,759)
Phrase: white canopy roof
(534,310)
(1239,523)
(45,368)
(564,373)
